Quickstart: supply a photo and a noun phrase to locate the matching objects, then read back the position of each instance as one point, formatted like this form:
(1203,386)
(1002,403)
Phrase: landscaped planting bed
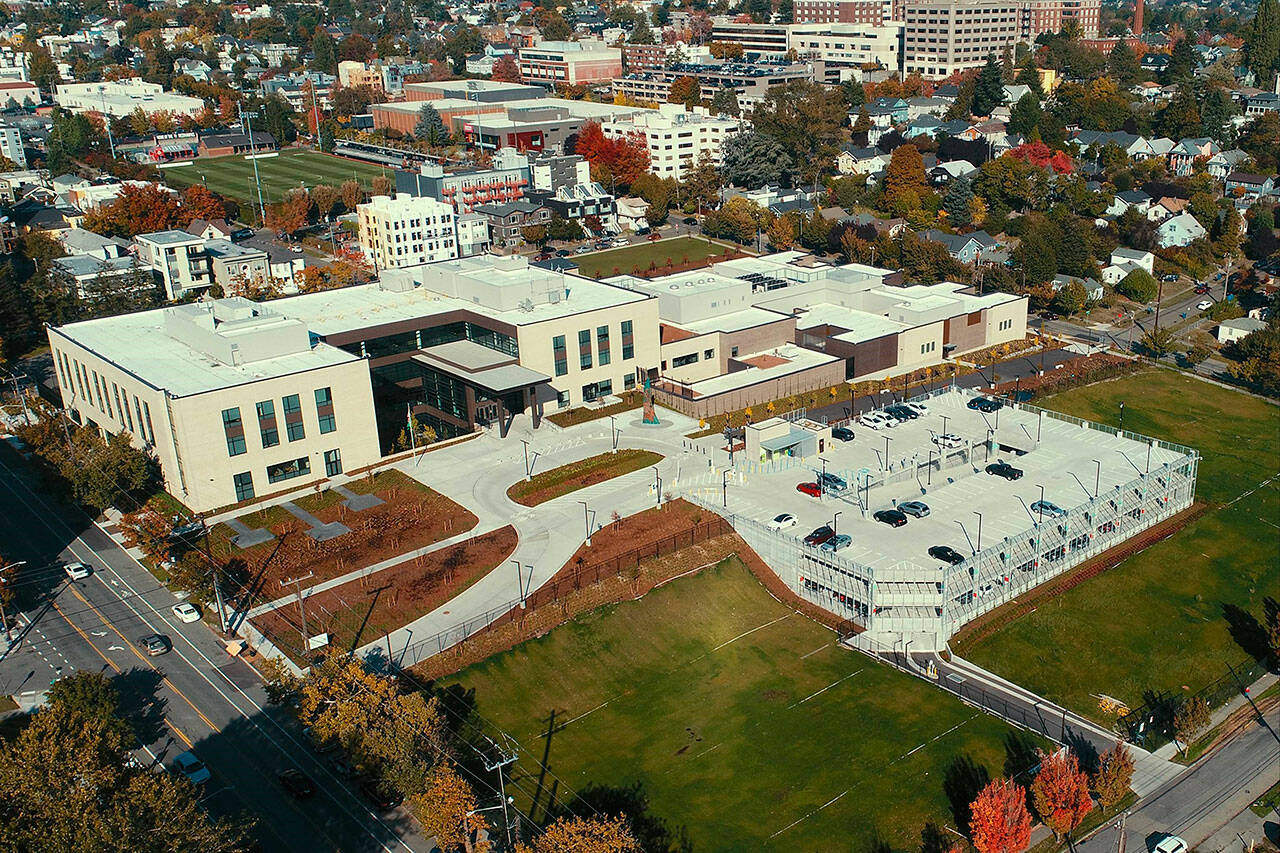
(578,475)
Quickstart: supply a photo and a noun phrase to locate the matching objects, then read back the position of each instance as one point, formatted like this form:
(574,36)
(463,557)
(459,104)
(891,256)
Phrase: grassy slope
(1157,621)
(715,737)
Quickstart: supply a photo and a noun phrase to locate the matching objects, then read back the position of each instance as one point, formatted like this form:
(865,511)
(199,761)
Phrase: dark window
(629,382)
(684,360)
(602,344)
(332,462)
(561,355)
(324,410)
(288,470)
(584,349)
(244,486)
(628,341)
(562,399)
(293,425)
(267,424)
(234,431)
(443,392)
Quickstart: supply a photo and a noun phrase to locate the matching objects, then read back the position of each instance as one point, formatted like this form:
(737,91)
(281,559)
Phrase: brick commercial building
(569,62)
(873,12)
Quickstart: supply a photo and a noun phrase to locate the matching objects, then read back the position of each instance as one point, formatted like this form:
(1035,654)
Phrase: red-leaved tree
(624,158)
(1060,792)
(1000,822)
(1039,154)
(506,69)
(136,210)
(200,202)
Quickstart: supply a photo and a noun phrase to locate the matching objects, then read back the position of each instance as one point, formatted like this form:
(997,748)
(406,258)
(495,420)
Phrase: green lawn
(578,475)
(739,720)
(625,260)
(1163,620)
(233,176)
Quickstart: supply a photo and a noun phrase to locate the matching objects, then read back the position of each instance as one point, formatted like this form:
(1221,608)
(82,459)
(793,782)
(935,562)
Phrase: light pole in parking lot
(1121,427)
(834,519)
(822,481)
(887,439)
(1097,476)
(724,488)
(1040,506)
(586,518)
(979,515)
(657,485)
(944,424)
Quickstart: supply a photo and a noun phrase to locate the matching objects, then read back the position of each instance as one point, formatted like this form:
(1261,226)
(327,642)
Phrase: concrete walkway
(1171,750)
(320,531)
(477,475)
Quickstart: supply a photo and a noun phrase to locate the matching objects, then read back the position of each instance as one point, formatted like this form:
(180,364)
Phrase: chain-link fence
(1151,725)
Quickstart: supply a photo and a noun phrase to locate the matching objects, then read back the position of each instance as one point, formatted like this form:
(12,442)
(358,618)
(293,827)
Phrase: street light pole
(724,488)
(944,424)
(1097,477)
(1121,427)
(979,515)
(835,518)
(657,484)
(586,519)
(613,432)
(1040,506)
(822,481)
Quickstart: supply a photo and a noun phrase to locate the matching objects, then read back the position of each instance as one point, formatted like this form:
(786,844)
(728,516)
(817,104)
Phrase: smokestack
(1137,18)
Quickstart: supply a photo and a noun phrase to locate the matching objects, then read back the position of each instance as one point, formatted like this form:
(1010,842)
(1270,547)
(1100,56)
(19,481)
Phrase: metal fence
(1151,724)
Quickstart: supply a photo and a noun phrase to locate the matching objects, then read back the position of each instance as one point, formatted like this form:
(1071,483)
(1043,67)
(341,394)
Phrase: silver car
(1048,508)
(915,509)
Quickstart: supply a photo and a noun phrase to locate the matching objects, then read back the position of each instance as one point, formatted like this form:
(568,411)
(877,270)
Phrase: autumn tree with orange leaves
(1000,822)
(616,160)
(1041,155)
(292,214)
(136,210)
(1060,792)
(584,835)
(200,202)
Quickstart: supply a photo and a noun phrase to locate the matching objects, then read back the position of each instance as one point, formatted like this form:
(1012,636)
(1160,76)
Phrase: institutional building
(550,63)
(120,98)
(873,12)
(677,138)
(751,80)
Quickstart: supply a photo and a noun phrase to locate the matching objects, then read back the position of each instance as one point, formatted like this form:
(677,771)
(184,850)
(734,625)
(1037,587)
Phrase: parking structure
(1110,485)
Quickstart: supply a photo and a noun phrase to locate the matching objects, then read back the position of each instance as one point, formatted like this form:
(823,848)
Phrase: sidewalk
(1170,750)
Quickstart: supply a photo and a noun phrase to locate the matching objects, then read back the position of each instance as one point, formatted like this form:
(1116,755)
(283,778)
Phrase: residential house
(210,229)
(889,111)
(1179,231)
(966,248)
(945,173)
(1225,162)
(1014,92)
(1263,102)
(1127,199)
(506,221)
(1187,151)
(89,276)
(932,106)
(1094,291)
(1234,330)
(1249,186)
(860,161)
(1167,206)
(1125,261)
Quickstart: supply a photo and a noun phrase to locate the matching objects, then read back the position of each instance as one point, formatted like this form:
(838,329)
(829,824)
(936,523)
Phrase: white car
(78,571)
(1204,305)
(192,768)
(919,408)
(878,420)
(186,612)
(949,439)
(1171,844)
(783,521)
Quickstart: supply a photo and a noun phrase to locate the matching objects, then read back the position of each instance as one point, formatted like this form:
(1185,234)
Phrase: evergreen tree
(430,127)
(1181,117)
(1123,64)
(1029,76)
(962,107)
(325,53)
(277,119)
(861,127)
(957,203)
(1216,110)
(1006,66)
(1025,115)
(1182,61)
(1263,42)
(726,103)
(641,34)
(854,95)
(988,93)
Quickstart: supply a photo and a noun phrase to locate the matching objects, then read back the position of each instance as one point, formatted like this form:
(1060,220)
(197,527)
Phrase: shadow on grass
(653,832)
(964,780)
(1021,753)
(1247,631)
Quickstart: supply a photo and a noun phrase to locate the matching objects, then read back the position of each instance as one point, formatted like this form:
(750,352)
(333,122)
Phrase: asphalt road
(1203,800)
(194,697)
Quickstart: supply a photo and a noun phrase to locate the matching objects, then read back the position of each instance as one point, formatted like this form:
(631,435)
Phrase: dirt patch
(360,611)
(621,537)
(627,401)
(578,475)
(411,516)
(765,361)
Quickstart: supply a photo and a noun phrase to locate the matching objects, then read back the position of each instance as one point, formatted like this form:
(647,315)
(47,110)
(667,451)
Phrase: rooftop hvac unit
(526,305)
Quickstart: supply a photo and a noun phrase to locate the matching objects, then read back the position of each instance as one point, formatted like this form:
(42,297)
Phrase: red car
(813,490)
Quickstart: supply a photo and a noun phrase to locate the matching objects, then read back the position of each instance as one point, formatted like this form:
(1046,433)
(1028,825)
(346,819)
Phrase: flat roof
(497,377)
(789,359)
(169,364)
(734,321)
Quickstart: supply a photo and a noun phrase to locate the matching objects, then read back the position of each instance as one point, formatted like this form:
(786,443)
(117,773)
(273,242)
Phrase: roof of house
(1246,178)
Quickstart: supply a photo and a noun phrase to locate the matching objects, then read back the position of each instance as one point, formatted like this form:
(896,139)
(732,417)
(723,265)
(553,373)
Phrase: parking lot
(1064,463)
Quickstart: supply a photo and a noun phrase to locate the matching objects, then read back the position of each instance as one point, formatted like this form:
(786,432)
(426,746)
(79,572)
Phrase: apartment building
(11,146)
(655,57)
(179,259)
(120,98)
(569,62)
(504,181)
(754,38)
(751,80)
(848,45)
(872,12)
(677,138)
(406,230)
(235,400)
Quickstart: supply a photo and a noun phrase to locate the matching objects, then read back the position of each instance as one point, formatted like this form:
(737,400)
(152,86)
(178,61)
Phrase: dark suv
(986,404)
(1004,469)
(819,536)
(842,433)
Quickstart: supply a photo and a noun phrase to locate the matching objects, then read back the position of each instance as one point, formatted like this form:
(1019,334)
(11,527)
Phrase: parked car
(902,413)
(78,571)
(919,408)
(837,543)
(1004,469)
(915,509)
(819,535)
(382,797)
(948,439)
(832,482)
(1202,289)
(1170,844)
(783,521)
(192,768)
(891,517)
(154,644)
(842,433)
(1048,508)
(986,404)
(946,554)
(1204,304)
(296,783)
(1172,276)
(877,420)
(813,490)
(563,253)
(186,612)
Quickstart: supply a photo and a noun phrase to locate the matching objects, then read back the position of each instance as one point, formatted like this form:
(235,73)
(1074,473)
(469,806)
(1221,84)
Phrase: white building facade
(406,230)
(677,139)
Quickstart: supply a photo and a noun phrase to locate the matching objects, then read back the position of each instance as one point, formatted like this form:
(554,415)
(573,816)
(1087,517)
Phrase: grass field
(738,720)
(578,475)
(233,176)
(1175,615)
(678,249)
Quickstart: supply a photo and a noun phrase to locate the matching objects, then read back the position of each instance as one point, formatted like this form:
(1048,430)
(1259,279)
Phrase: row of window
(93,389)
(929,347)
(603,356)
(268,427)
(281,471)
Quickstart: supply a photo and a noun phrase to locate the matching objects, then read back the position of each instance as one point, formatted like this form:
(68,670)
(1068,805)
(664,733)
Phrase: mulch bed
(578,475)
(360,611)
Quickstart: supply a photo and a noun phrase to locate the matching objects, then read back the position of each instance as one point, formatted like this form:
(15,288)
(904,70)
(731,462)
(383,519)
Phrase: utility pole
(1120,842)
(505,757)
(247,123)
(4,611)
(297,584)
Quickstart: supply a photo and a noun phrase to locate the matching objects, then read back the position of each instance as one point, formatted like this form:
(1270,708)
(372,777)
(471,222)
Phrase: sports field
(1178,613)
(233,176)
(740,721)
(678,249)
